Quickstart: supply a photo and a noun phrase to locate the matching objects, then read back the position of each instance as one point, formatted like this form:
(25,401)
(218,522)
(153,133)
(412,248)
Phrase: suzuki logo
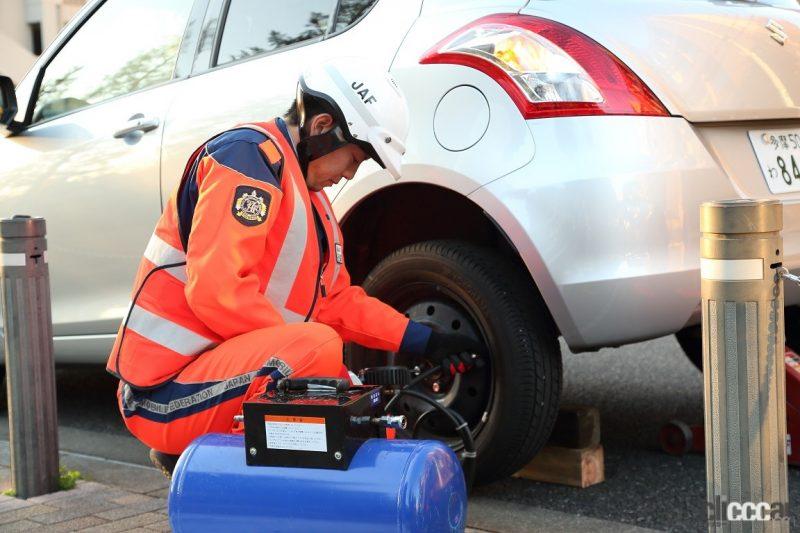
(776,32)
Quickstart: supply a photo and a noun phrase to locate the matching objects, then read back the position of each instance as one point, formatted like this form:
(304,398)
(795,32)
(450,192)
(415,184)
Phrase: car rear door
(88,160)
(246,68)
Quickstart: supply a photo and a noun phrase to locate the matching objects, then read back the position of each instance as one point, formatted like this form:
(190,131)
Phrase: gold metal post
(743,354)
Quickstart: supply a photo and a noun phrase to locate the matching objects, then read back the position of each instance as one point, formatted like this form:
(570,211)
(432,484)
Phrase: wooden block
(573,455)
(576,427)
(581,467)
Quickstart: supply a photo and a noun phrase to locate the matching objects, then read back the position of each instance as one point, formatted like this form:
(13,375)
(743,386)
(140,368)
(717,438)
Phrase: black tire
(691,341)
(521,382)
(791,319)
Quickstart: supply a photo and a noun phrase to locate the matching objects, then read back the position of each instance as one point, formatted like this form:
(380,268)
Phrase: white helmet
(368,107)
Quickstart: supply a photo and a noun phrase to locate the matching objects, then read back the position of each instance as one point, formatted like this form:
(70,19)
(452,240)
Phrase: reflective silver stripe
(290,316)
(13,260)
(167,333)
(160,253)
(280,365)
(336,238)
(289,259)
(131,403)
(212,391)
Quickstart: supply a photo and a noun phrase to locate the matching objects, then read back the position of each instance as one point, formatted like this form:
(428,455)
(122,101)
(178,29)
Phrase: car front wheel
(511,402)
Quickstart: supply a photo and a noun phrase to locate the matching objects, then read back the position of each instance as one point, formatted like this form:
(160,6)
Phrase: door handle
(137,122)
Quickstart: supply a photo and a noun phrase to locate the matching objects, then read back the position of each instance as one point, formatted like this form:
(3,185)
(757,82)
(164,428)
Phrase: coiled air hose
(470,454)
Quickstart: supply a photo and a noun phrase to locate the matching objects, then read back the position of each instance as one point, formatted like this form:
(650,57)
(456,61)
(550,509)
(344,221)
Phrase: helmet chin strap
(313,147)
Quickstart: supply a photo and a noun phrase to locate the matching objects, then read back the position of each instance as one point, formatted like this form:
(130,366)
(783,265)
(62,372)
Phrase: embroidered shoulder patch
(250,205)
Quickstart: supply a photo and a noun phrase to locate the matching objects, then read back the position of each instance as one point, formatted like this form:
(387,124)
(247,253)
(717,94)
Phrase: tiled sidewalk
(90,506)
(116,497)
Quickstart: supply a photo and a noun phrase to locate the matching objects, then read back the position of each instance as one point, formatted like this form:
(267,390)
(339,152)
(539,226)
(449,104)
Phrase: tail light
(548,69)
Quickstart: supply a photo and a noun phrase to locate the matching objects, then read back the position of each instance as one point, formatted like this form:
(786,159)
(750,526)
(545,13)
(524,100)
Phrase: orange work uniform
(243,282)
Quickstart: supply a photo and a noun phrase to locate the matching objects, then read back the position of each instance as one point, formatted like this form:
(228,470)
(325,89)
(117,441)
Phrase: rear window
(254,27)
(350,12)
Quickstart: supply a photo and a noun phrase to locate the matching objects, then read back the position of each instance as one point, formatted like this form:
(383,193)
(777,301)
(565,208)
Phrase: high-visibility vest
(163,332)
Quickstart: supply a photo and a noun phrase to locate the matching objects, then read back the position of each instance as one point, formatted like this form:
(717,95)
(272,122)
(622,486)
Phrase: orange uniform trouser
(207,394)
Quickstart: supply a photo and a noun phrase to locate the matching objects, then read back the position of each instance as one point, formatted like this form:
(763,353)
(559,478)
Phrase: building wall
(54,15)
(13,24)
(16,38)
(15,61)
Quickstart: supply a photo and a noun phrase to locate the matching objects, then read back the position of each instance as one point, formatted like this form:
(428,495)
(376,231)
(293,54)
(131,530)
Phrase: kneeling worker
(243,280)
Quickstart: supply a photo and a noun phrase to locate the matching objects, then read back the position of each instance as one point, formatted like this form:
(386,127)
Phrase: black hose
(412,383)
(462,428)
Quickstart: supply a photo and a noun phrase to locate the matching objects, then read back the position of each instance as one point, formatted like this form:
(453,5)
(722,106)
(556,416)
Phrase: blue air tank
(391,485)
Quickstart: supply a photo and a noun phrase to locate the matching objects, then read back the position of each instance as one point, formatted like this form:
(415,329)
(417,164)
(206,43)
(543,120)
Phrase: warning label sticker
(304,433)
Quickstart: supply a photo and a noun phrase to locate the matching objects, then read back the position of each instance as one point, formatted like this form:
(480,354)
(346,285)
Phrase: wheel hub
(444,318)
(468,393)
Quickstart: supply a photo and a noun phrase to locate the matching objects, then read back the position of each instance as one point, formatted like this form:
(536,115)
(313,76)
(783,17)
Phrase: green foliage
(66,481)
(67,478)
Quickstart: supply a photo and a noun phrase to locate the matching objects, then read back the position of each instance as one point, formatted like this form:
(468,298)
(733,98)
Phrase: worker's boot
(164,462)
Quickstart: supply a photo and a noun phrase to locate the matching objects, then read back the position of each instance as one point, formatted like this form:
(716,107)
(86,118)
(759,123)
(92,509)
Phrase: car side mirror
(8,102)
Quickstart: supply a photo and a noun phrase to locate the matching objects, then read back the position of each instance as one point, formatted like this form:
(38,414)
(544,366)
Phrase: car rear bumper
(606,218)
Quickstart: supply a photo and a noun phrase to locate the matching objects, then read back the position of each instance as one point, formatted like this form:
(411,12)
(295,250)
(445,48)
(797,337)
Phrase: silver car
(558,155)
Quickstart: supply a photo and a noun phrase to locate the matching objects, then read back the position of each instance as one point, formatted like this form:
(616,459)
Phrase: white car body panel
(705,60)
(426,160)
(731,147)
(611,235)
(462,171)
(99,196)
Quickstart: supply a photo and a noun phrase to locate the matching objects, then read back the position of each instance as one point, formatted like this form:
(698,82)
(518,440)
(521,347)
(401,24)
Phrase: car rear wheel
(511,402)
(691,341)
(791,318)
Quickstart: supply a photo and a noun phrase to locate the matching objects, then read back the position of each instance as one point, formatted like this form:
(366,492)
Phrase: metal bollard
(30,374)
(743,351)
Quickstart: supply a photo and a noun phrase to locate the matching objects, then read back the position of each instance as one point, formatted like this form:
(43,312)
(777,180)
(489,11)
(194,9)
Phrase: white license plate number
(778,155)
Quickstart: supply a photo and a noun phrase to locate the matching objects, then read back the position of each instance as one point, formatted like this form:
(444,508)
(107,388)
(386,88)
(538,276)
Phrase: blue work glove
(455,353)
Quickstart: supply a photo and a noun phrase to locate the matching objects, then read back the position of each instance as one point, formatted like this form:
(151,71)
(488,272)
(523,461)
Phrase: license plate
(778,154)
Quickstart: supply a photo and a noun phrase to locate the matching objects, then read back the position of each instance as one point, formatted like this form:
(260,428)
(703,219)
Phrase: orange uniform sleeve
(230,225)
(360,318)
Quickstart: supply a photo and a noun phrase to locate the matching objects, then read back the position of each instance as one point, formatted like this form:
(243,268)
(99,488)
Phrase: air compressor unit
(315,456)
